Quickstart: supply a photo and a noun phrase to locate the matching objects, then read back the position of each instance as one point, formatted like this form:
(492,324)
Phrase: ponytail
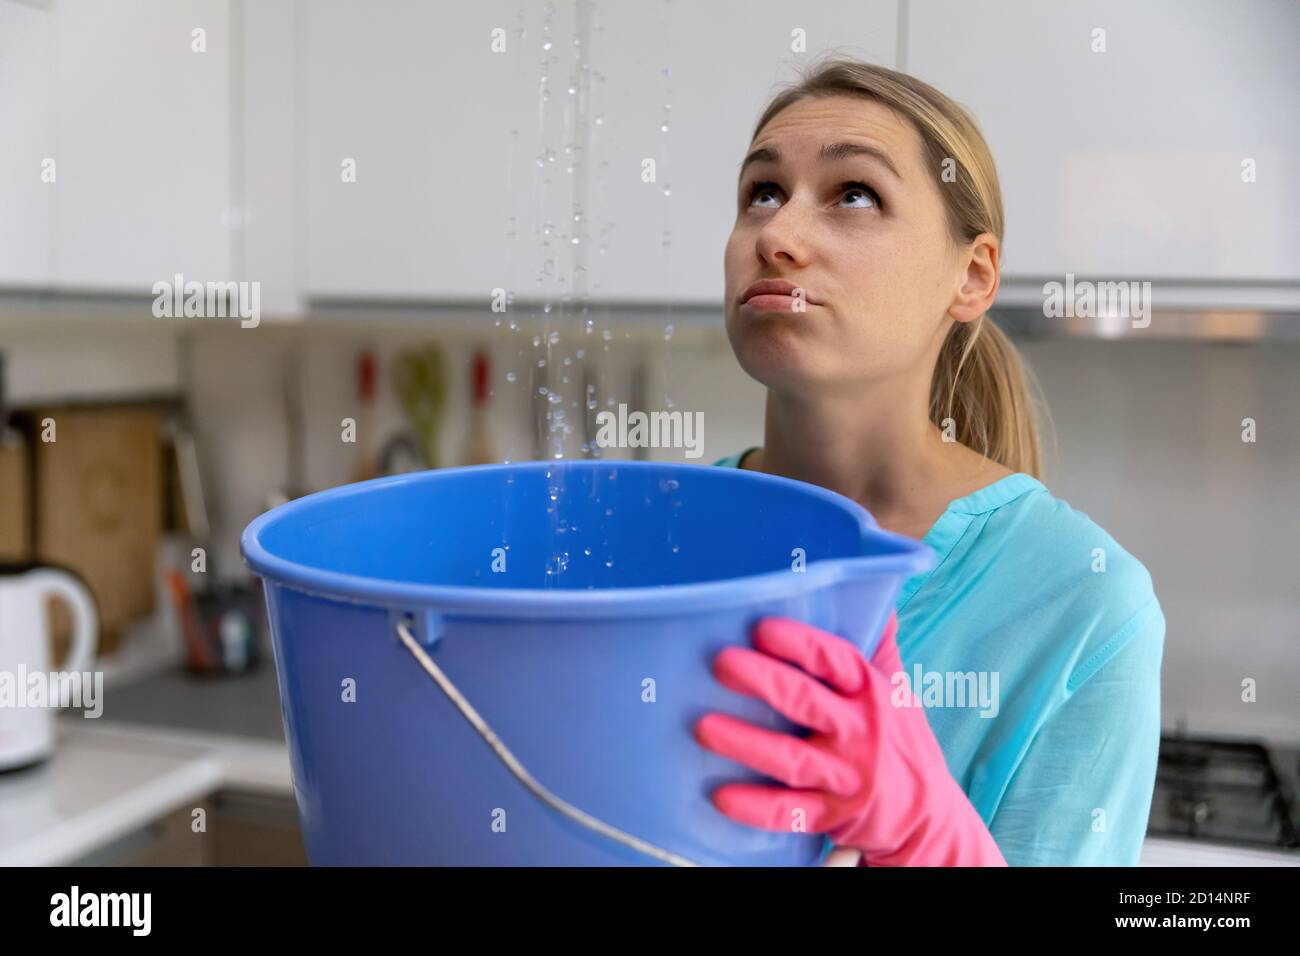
(981,393)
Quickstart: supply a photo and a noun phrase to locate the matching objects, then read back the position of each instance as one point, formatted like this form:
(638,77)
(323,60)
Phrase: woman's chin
(777,360)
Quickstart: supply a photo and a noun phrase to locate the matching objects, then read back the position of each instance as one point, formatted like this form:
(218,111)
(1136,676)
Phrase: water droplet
(663,127)
(510,376)
(609,563)
(607,335)
(668,332)
(537,340)
(541,390)
(668,190)
(553,337)
(600,119)
(541,363)
(579,353)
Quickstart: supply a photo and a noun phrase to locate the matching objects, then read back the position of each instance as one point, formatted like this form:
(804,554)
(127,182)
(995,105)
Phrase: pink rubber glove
(871,776)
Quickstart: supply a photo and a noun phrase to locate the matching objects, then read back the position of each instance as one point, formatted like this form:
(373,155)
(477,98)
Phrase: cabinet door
(1129,162)
(143,142)
(412,164)
(26,41)
(706,71)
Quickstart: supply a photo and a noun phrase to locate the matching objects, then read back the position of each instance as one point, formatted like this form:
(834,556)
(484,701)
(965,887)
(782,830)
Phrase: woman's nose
(782,236)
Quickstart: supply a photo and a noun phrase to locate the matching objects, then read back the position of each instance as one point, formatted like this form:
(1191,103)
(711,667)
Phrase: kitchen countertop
(170,738)
(95,789)
(162,742)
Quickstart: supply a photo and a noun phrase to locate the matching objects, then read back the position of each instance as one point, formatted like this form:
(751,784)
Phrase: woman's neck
(877,447)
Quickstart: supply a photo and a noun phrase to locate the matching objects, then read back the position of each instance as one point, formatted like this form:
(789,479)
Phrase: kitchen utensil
(479,449)
(421,381)
(187,511)
(199,651)
(401,455)
(366,464)
(220,627)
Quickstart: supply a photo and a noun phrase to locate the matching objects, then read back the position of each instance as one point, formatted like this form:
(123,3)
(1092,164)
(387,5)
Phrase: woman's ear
(980,279)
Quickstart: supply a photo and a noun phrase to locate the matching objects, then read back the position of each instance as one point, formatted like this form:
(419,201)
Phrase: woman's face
(862,233)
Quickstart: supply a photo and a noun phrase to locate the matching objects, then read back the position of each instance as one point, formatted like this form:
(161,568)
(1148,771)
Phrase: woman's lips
(767,302)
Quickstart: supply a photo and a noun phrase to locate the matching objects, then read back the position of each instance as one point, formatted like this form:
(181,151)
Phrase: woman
(863,259)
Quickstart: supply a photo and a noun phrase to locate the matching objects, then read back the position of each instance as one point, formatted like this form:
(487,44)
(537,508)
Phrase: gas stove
(1224,790)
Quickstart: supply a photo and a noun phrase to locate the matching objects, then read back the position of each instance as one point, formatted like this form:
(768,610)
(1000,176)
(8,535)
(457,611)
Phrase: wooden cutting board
(98,504)
(15,506)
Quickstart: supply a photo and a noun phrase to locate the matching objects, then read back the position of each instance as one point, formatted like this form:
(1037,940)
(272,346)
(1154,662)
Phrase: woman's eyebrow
(830,153)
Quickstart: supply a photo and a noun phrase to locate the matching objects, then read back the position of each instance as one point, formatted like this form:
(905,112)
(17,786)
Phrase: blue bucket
(568,614)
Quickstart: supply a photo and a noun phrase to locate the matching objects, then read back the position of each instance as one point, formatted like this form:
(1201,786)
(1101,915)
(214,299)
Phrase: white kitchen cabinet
(724,61)
(412,168)
(143,143)
(1129,162)
(26,41)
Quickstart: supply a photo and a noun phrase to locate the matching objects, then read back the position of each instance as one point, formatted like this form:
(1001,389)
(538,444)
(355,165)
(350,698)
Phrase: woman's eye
(865,191)
(867,197)
(759,189)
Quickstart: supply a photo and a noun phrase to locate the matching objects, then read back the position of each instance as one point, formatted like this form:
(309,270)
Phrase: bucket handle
(404,633)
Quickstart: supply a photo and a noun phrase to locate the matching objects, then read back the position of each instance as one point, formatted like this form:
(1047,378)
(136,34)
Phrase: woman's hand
(871,776)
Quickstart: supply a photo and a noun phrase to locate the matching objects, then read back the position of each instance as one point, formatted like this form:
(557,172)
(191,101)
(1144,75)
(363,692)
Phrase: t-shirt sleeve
(1082,793)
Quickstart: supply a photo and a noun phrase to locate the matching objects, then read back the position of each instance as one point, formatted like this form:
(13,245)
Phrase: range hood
(1220,311)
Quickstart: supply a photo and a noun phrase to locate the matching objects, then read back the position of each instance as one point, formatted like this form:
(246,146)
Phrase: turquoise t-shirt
(1040,640)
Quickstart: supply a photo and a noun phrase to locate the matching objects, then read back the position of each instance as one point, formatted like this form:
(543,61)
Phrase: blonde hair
(979,379)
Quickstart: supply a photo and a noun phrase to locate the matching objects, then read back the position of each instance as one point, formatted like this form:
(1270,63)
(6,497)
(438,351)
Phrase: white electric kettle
(27,712)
